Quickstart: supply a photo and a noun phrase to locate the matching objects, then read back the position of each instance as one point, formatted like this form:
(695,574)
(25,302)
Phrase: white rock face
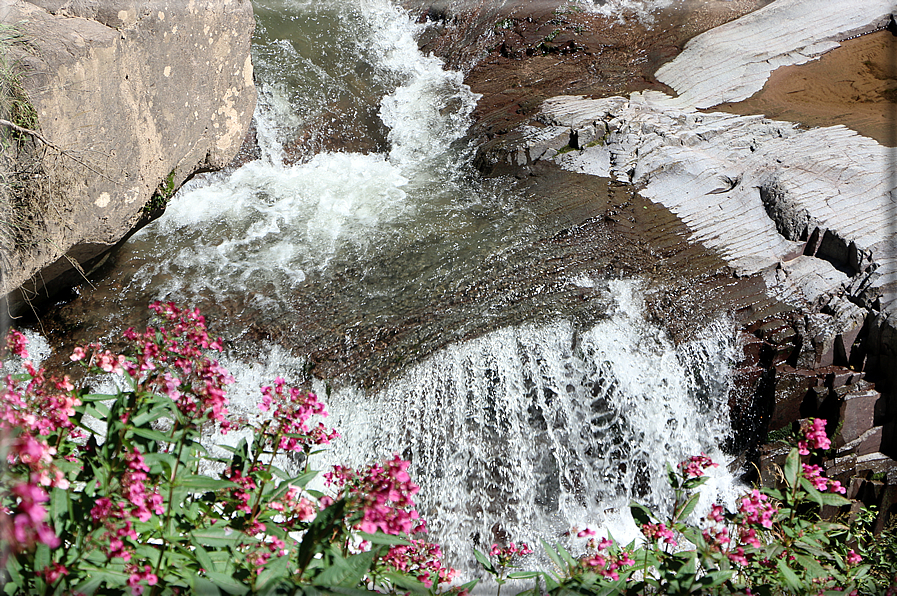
(733,61)
(751,188)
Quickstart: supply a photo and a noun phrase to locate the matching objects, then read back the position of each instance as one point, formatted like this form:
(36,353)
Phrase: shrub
(115,493)
(129,508)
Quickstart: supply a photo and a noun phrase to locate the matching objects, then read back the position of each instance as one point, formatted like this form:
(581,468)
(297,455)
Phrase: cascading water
(546,423)
(533,430)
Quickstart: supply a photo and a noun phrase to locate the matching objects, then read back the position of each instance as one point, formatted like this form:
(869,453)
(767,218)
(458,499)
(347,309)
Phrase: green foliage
(163,194)
(143,502)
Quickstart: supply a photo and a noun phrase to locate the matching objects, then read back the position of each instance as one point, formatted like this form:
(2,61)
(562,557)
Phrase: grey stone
(135,95)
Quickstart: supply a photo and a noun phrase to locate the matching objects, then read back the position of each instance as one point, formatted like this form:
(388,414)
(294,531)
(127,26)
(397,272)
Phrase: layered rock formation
(131,98)
(810,212)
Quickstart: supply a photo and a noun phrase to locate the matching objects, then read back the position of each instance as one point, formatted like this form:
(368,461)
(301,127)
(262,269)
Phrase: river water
(363,209)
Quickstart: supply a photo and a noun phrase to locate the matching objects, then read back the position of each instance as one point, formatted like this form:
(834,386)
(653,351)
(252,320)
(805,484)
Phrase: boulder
(132,98)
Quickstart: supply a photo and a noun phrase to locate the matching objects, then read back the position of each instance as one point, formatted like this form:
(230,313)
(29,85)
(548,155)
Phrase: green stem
(167,519)
(258,499)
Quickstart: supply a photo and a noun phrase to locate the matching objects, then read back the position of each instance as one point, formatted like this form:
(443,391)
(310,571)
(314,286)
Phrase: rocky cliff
(131,99)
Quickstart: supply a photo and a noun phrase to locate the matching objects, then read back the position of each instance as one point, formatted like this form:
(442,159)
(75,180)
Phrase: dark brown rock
(856,415)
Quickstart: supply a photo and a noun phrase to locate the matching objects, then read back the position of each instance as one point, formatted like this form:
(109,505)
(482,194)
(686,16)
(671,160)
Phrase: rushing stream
(525,427)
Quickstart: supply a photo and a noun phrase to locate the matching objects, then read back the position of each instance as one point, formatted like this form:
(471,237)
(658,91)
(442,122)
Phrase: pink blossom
(756,508)
(814,437)
(659,532)
(694,466)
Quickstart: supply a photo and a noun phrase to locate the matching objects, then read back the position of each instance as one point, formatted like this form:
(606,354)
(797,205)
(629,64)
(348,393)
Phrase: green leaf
(381,538)
(716,578)
(672,476)
(568,558)
(485,562)
(152,435)
(320,532)
(641,514)
(788,575)
(406,582)
(348,574)
(219,535)
(144,418)
(834,499)
(202,556)
(13,568)
(299,481)
(693,483)
(204,483)
(92,397)
(203,587)
(688,507)
(792,466)
(524,574)
(226,582)
(41,557)
(274,570)
(554,556)
(811,565)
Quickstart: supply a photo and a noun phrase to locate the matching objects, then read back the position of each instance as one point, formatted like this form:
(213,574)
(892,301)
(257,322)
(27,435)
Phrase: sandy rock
(137,96)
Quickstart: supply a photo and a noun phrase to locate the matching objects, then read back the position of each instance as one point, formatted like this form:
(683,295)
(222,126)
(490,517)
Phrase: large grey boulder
(134,98)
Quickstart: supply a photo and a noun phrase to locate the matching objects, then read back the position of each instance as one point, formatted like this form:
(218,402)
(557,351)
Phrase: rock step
(733,61)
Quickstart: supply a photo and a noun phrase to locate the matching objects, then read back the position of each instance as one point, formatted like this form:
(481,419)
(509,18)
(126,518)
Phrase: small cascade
(531,431)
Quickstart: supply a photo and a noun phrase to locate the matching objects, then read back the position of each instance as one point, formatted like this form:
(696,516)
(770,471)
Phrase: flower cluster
(694,466)
(602,560)
(34,413)
(292,410)
(381,495)
(294,507)
(239,495)
(659,532)
(813,436)
(128,502)
(757,508)
(506,554)
(421,559)
(136,576)
(171,360)
(820,482)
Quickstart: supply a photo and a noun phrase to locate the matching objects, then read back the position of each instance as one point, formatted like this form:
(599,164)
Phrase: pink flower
(585,532)
(853,558)
(694,466)
(659,532)
(756,508)
(814,436)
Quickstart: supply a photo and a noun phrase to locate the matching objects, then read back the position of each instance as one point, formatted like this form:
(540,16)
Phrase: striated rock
(135,97)
(752,188)
(733,61)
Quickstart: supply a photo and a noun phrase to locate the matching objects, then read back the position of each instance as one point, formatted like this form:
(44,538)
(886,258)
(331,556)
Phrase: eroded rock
(135,97)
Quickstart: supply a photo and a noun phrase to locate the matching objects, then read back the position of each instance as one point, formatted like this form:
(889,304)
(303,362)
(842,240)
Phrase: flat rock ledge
(135,97)
(733,61)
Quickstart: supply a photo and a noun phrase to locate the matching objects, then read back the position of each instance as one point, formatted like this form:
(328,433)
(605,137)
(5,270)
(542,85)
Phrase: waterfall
(538,429)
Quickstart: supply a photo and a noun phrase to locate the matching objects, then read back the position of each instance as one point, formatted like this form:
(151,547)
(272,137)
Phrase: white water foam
(643,9)
(269,226)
